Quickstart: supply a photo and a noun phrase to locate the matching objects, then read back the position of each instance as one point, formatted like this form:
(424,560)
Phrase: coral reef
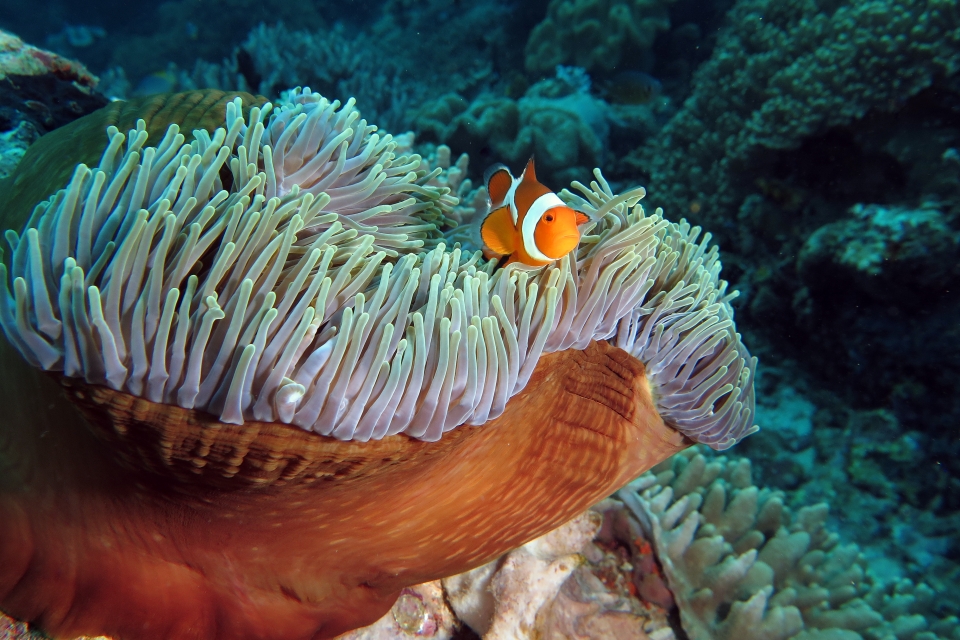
(741,564)
(184,31)
(332,61)
(816,139)
(501,600)
(861,278)
(561,121)
(738,561)
(562,125)
(575,581)
(13,144)
(891,254)
(783,72)
(420,611)
(893,489)
(816,144)
(598,35)
(342,62)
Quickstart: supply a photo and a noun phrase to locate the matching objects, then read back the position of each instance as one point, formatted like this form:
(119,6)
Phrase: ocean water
(818,143)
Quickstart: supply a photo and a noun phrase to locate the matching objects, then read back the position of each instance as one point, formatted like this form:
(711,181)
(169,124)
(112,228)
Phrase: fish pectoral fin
(582,218)
(498,232)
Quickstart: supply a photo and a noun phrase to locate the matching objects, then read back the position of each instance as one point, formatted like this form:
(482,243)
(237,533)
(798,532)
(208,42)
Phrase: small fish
(632,87)
(157,82)
(527,222)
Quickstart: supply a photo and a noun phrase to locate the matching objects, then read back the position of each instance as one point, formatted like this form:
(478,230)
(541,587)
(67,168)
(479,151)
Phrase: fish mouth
(575,241)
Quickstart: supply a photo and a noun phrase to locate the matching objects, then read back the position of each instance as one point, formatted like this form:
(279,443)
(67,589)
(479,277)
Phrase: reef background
(818,140)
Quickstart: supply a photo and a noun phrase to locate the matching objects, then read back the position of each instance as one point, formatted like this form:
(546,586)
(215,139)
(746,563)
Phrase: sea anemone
(278,357)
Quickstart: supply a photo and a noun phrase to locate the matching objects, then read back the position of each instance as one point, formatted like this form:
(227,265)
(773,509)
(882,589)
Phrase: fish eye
(548,217)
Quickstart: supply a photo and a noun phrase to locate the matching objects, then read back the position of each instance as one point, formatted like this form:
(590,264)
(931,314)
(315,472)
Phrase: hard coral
(882,282)
(20,59)
(566,133)
(891,254)
(574,582)
(333,60)
(742,565)
(184,30)
(783,71)
(343,63)
(596,34)
(503,599)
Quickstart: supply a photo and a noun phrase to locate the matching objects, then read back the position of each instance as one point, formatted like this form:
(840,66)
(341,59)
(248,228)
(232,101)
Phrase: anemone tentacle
(276,270)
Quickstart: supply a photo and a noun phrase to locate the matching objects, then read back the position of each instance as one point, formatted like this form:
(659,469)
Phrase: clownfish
(527,222)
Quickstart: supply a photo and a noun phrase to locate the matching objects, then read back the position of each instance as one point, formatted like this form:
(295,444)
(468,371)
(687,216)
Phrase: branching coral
(742,565)
(184,30)
(343,63)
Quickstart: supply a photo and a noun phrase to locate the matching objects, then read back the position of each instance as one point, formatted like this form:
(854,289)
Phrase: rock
(39,91)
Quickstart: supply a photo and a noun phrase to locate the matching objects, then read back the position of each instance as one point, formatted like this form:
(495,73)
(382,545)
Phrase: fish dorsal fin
(527,191)
(498,232)
(498,180)
(530,171)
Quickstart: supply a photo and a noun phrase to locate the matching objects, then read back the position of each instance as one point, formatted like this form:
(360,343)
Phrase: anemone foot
(153,521)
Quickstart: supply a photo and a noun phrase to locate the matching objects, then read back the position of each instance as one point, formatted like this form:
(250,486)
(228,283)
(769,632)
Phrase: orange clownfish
(527,222)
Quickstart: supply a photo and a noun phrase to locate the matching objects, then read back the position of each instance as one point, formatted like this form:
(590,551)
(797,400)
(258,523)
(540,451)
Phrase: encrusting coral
(263,326)
(742,565)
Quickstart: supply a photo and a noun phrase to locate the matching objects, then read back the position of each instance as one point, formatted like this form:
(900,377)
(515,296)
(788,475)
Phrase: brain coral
(278,358)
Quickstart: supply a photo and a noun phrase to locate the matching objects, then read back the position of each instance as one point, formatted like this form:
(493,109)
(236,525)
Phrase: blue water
(819,144)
